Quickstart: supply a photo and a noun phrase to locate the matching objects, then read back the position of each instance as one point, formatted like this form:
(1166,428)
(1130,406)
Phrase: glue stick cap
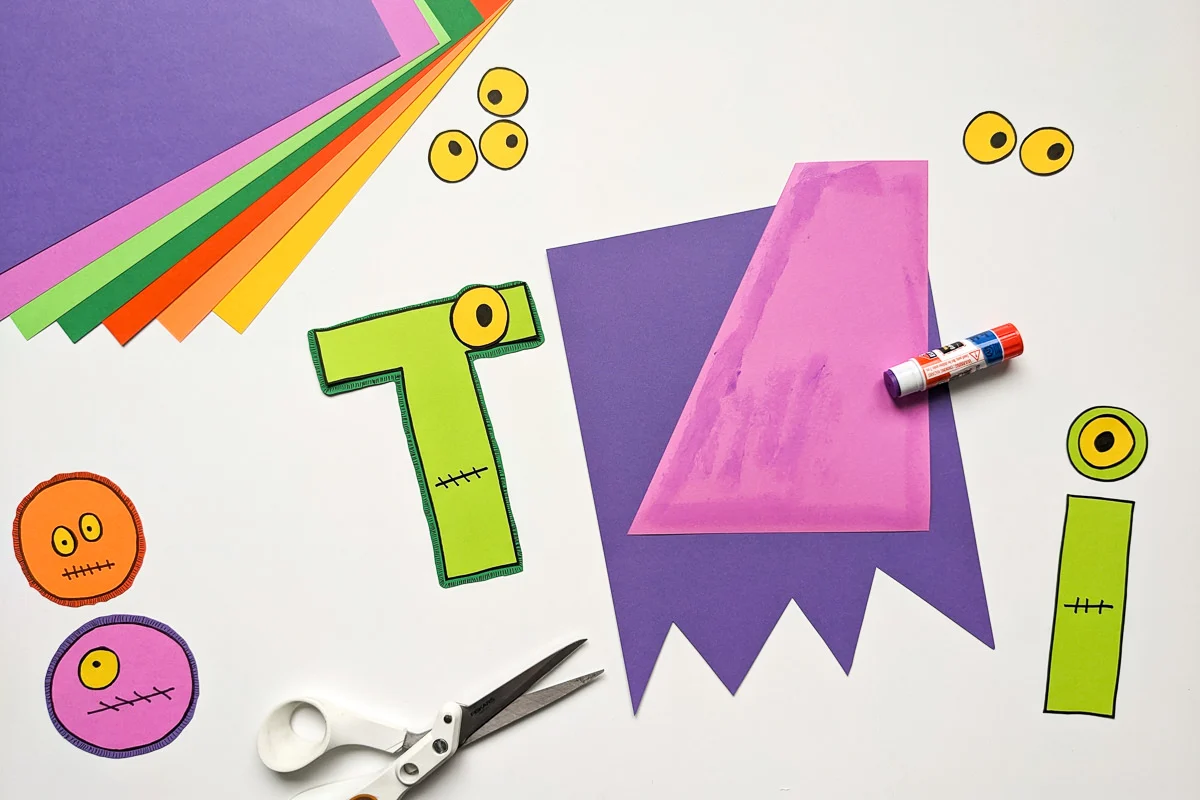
(904,379)
(1010,340)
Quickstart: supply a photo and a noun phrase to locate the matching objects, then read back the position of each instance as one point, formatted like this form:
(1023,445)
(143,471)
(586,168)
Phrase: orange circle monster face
(78,539)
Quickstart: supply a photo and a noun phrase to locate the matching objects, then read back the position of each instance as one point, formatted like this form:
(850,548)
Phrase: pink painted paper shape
(411,34)
(789,427)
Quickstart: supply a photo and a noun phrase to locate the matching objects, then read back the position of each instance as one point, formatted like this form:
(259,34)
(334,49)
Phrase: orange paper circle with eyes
(78,539)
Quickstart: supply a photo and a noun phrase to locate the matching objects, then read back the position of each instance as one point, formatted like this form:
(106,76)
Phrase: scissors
(419,754)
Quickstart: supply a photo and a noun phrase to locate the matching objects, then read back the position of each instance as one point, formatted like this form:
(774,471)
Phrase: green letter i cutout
(1089,614)
(1104,443)
(428,351)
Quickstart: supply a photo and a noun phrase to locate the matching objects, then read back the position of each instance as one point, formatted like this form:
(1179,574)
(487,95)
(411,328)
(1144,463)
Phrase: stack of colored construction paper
(168,160)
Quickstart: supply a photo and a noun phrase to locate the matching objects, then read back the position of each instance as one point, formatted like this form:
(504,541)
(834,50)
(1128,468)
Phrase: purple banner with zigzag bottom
(639,314)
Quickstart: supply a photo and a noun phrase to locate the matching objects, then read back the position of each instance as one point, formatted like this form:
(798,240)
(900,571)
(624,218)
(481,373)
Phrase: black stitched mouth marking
(86,569)
(140,697)
(449,480)
(1087,606)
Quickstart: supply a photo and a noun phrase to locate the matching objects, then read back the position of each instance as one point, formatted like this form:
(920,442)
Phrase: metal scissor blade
(485,708)
(527,704)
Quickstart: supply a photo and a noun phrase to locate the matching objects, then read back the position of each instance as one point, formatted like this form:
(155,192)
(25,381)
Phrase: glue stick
(954,360)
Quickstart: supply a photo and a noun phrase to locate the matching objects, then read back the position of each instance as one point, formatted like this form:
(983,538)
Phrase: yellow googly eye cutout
(63,540)
(98,668)
(1047,151)
(503,144)
(503,92)
(989,138)
(479,317)
(90,527)
(452,156)
(1106,443)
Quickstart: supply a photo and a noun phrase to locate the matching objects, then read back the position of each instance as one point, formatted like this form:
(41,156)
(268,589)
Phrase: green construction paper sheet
(428,351)
(1089,615)
(154,250)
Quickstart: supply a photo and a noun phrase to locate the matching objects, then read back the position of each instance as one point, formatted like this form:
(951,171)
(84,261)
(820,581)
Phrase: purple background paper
(104,102)
(638,314)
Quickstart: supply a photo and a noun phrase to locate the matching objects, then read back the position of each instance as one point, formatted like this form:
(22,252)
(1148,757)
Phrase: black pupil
(96,664)
(998,139)
(483,315)
(1054,153)
(511,141)
(455,149)
(1105,441)
(494,96)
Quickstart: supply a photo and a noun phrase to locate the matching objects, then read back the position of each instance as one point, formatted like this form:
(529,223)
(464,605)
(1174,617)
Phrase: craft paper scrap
(78,539)
(122,686)
(250,296)
(1089,607)
(91,312)
(185,313)
(197,77)
(428,351)
(129,319)
(724,592)
(789,427)
(51,266)
(193,220)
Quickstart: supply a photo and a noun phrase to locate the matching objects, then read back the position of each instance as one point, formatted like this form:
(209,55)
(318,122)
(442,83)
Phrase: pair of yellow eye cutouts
(991,138)
(64,539)
(502,92)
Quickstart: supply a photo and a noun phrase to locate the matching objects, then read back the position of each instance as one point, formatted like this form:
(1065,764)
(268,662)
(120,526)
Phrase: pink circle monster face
(122,686)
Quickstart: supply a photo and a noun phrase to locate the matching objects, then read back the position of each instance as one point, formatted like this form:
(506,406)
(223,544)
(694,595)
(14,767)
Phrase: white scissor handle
(284,750)
(425,756)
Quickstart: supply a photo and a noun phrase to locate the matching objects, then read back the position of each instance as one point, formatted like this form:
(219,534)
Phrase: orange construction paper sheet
(192,298)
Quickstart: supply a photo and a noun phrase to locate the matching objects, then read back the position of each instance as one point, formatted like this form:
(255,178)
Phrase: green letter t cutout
(428,351)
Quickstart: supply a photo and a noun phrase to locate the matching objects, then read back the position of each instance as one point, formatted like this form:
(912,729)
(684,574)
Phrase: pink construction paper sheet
(789,427)
(412,37)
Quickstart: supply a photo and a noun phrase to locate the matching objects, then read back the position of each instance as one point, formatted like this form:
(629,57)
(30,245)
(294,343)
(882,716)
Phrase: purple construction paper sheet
(410,33)
(638,314)
(103,102)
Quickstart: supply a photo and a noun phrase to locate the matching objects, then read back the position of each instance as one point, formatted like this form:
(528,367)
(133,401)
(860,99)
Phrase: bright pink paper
(789,427)
(411,35)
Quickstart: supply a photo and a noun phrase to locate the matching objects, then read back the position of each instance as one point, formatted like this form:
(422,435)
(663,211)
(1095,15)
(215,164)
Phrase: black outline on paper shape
(139,538)
(396,376)
(1124,605)
(483,155)
(454,328)
(1073,450)
(83,658)
(1016,139)
(1066,135)
(123,619)
(99,525)
(429,156)
(479,90)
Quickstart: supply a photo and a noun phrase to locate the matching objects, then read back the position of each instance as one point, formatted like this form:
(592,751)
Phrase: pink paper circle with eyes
(122,686)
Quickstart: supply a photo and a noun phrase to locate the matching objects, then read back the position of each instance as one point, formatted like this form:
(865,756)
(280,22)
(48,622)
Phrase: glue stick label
(951,361)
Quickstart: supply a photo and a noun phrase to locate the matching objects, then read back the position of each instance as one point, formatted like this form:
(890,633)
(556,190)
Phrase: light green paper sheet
(1089,615)
(43,310)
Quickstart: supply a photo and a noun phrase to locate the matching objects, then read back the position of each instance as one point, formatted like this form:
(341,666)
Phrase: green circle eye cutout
(1106,443)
